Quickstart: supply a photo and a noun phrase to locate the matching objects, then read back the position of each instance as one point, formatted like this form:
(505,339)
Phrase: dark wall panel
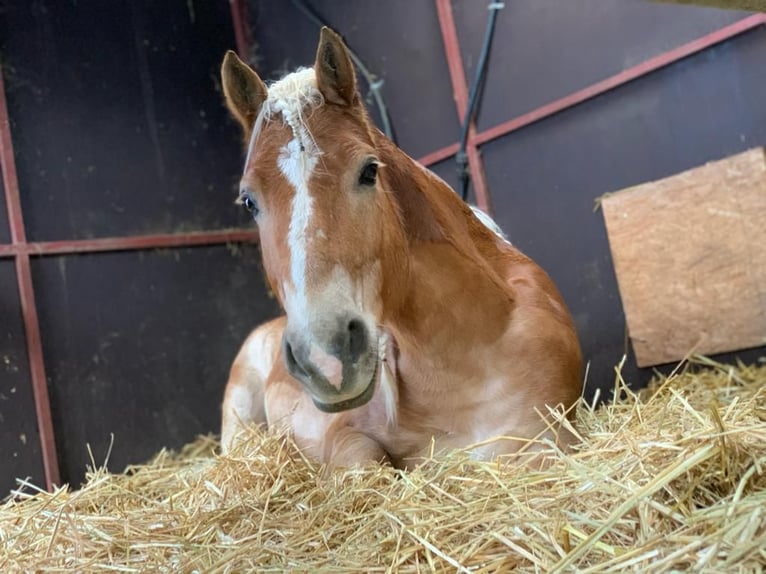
(447,170)
(399,40)
(546,49)
(20,455)
(117,115)
(139,344)
(545,178)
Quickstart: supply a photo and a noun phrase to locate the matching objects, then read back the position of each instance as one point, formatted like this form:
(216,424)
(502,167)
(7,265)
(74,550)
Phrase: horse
(411,325)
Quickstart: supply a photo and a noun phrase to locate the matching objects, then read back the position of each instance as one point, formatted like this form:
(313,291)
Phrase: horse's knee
(348,448)
(244,399)
(242,405)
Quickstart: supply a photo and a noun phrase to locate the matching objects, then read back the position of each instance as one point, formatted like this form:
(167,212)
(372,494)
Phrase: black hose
(478,81)
(375,85)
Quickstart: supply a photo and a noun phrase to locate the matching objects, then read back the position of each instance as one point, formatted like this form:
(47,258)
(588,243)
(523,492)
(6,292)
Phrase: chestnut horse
(411,323)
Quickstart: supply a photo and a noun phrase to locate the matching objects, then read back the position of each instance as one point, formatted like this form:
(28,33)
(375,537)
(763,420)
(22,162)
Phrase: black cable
(478,81)
(375,85)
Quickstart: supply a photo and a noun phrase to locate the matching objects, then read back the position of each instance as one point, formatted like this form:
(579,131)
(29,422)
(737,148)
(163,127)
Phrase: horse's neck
(449,309)
(453,263)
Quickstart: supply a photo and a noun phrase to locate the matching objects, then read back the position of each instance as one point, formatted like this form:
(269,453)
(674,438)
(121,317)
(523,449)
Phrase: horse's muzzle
(336,366)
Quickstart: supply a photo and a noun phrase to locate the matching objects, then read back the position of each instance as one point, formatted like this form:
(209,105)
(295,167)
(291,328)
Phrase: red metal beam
(27,298)
(440,154)
(594,90)
(452,52)
(159,241)
(460,91)
(241,30)
(622,78)
(37,371)
(10,179)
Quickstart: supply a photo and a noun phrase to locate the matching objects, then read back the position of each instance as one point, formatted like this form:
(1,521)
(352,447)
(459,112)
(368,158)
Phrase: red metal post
(460,91)
(27,298)
(241,31)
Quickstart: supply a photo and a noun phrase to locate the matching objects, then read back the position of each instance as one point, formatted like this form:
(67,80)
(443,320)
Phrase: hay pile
(672,480)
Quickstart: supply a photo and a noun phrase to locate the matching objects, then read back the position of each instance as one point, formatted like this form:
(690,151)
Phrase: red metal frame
(22,251)
(460,92)
(128,243)
(27,298)
(599,88)
(617,80)
(440,154)
(241,30)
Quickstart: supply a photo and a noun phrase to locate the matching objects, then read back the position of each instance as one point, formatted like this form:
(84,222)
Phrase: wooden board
(689,252)
(749,5)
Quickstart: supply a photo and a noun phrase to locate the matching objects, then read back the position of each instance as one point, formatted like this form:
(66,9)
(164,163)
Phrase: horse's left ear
(334,70)
(245,92)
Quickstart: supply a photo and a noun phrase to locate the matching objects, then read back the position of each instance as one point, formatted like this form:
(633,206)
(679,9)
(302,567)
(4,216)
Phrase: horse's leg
(242,404)
(347,447)
(243,401)
(324,437)
(536,452)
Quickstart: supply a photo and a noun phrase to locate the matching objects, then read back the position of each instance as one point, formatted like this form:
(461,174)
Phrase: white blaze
(289,98)
(297,166)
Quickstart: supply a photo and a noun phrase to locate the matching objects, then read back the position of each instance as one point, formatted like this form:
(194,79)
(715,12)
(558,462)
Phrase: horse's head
(315,183)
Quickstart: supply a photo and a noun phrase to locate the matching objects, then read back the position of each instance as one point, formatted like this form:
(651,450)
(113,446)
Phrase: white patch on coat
(297,165)
(489,223)
(388,387)
(241,409)
(262,348)
(241,403)
(329,365)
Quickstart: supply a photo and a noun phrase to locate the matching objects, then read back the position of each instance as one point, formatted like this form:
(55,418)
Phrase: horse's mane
(290,96)
(431,211)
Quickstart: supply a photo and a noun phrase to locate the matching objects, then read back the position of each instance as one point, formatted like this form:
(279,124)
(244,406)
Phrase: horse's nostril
(357,339)
(293,365)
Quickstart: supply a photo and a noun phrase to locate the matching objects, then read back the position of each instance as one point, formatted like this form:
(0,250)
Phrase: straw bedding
(672,479)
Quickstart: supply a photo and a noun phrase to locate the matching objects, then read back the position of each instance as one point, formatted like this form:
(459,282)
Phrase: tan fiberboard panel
(750,5)
(690,256)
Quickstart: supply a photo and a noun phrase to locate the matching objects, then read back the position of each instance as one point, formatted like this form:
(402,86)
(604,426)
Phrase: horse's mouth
(357,401)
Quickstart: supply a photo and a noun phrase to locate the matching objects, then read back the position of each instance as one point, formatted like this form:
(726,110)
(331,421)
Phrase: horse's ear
(245,92)
(334,70)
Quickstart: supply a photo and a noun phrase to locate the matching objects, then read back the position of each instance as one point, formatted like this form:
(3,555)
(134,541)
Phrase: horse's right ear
(245,92)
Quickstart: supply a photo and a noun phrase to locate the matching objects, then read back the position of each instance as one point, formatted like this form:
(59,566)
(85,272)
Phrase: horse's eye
(369,174)
(249,204)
